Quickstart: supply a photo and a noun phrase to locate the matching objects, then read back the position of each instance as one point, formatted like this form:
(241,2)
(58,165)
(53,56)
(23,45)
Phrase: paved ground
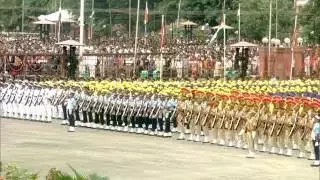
(123,156)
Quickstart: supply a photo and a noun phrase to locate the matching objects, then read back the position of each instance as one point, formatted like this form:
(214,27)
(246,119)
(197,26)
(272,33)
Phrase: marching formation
(267,116)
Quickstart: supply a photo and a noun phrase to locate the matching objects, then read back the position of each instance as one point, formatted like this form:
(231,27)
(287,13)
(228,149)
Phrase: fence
(107,66)
(26,65)
(122,65)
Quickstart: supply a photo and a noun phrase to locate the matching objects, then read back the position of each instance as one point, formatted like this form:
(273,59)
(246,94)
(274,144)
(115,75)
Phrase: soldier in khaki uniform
(213,118)
(274,114)
(250,127)
(182,111)
(221,115)
(193,121)
(232,109)
(204,119)
(281,128)
(240,122)
(304,128)
(262,123)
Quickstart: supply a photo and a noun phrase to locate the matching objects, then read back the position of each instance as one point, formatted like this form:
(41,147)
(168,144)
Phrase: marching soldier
(250,127)
(274,114)
(124,113)
(214,115)
(204,119)
(170,116)
(182,112)
(194,109)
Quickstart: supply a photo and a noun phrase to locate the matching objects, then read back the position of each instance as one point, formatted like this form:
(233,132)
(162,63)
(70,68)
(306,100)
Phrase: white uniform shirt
(71,104)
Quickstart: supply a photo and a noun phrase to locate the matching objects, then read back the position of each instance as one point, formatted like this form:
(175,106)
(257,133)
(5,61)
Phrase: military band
(275,118)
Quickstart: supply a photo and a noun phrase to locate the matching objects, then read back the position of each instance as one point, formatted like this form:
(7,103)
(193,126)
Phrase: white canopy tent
(66,16)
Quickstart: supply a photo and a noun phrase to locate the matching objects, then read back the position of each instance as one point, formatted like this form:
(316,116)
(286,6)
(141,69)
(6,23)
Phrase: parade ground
(122,156)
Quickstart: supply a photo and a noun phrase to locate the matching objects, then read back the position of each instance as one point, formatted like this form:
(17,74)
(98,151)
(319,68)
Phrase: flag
(162,32)
(146,14)
(238,13)
(214,37)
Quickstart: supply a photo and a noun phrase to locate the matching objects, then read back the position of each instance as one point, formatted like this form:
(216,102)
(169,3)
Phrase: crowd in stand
(177,53)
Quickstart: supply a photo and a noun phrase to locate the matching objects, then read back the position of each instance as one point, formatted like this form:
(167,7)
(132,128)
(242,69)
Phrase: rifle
(4,94)
(198,116)
(239,118)
(12,94)
(133,109)
(119,107)
(157,112)
(100,106)
(153,109)
(87,105)
(294,125)
(281,125)
(138,112)
(111,110)
(106,108)
(273,127)
(13,97)
(214,121)
(173,114)
(222,120)
(124,111)
(206,117)
(189,114)
(306,129)
(39,100)
(145,110)
(20,100)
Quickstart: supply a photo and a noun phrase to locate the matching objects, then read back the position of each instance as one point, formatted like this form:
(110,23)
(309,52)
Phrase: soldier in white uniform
(131,113)
(20,95)
(137,116)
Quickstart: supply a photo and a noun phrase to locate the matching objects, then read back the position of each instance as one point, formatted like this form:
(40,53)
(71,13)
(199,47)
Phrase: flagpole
(161,47)
(136,39)
(239,24)
(81,26)
(110,18)
(129,19)
(59,21)
(92,20)
(146,13)
(269,48)
(178,18)
(294,41)
(224,40)
(224,47)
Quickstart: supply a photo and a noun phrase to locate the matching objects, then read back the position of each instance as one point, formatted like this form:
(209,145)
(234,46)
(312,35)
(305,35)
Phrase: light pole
(276,19)
(269,41)
(136,39)
(22,17)
(110,18)
(92,19)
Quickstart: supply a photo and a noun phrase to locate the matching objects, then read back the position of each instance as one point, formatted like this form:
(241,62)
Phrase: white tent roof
(243,44)
(66,16)
(43,22)
(223,26)
(70,43)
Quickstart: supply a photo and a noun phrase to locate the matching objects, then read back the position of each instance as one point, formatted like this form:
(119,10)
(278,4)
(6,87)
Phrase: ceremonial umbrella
(70,43)
(189,23)
(222,26)
(41,22)
(243,44)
